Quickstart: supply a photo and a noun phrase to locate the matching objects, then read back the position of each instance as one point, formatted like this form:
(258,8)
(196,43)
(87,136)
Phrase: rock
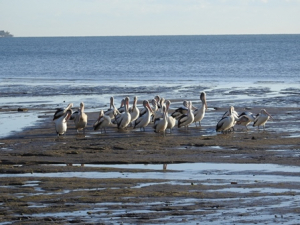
(22,109)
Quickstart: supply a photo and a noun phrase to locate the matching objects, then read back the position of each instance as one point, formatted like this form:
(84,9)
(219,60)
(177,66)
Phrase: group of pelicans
(126,116)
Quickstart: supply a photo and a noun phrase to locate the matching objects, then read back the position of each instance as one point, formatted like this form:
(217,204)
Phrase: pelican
(102,122)
(145,119)
(154,108)
(121,109)
(227,122)
(199,113)
(262,118)
(134,111)
(160,112)
(227,113)
(157,98)
(80,118)
(160,124)
(171,120)
(112,111)
(181,110)
(60,119)
(186,120)
(245,118)
(124,119)
(118,114)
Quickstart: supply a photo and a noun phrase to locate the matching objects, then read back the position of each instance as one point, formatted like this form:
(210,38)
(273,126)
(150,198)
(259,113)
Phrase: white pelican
(199,113)
(60,119)
(124,119)
(145,119)
(80,118)
(160,124)
(262,118)
(171,120)
(102,122)
(227,122)
(245,118)
(134,111)
(112,111)
(186,120)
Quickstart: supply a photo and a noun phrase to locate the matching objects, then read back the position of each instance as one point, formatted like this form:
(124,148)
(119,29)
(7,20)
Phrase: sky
(39,18)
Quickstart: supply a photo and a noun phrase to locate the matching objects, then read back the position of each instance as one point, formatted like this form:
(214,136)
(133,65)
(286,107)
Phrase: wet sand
(48,179)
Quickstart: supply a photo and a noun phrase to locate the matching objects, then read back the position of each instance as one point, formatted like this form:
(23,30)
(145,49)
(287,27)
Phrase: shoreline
(37,170)
(134,177)
(45,177)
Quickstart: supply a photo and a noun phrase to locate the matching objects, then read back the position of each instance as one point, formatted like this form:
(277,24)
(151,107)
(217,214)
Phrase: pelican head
(203,99)
(127,102)
(231,109)
(134,100)
(101,114)
(157,98)
(185,103)
(146,104)
(111,102)
(69,106)
(263,111)
(154,102)
(81,105)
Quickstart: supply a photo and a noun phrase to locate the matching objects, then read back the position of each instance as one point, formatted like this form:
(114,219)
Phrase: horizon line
(156,35)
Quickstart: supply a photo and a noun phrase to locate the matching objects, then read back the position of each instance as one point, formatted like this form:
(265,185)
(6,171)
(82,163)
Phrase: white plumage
(200,113)
(60,118)
(80,118)
(227,122)
(134,111)
(112,111)
(261,119)
(186,120)
(102,122)
(171,120)
(124,119)
(160,124)
(144,119)
(245,118)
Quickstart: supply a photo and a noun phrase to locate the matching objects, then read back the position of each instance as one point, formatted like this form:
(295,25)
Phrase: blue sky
(28,18)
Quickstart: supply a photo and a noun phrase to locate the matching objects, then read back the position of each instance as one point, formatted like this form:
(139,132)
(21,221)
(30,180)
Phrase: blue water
(133,60)
(47,72)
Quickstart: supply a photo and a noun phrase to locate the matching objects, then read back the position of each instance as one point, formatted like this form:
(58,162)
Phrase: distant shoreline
(5,34)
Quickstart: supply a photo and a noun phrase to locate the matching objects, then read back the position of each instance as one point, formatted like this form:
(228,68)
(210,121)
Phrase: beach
(190,176)
(194,176)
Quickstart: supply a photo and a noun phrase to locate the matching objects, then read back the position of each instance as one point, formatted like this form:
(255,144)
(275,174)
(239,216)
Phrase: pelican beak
(69,113)
(148,106)
(269,115)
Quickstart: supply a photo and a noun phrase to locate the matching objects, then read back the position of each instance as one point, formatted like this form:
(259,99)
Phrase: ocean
(49,72)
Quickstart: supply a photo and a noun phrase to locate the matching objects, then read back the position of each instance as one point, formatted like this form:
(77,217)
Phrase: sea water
(46,72)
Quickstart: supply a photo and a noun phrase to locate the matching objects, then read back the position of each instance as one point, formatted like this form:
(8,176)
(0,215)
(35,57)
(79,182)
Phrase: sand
(31,193)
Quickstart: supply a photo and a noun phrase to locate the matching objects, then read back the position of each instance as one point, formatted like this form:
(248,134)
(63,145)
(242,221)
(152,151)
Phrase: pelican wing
(74,115)
(220,124)
(59,112)
(181,120)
